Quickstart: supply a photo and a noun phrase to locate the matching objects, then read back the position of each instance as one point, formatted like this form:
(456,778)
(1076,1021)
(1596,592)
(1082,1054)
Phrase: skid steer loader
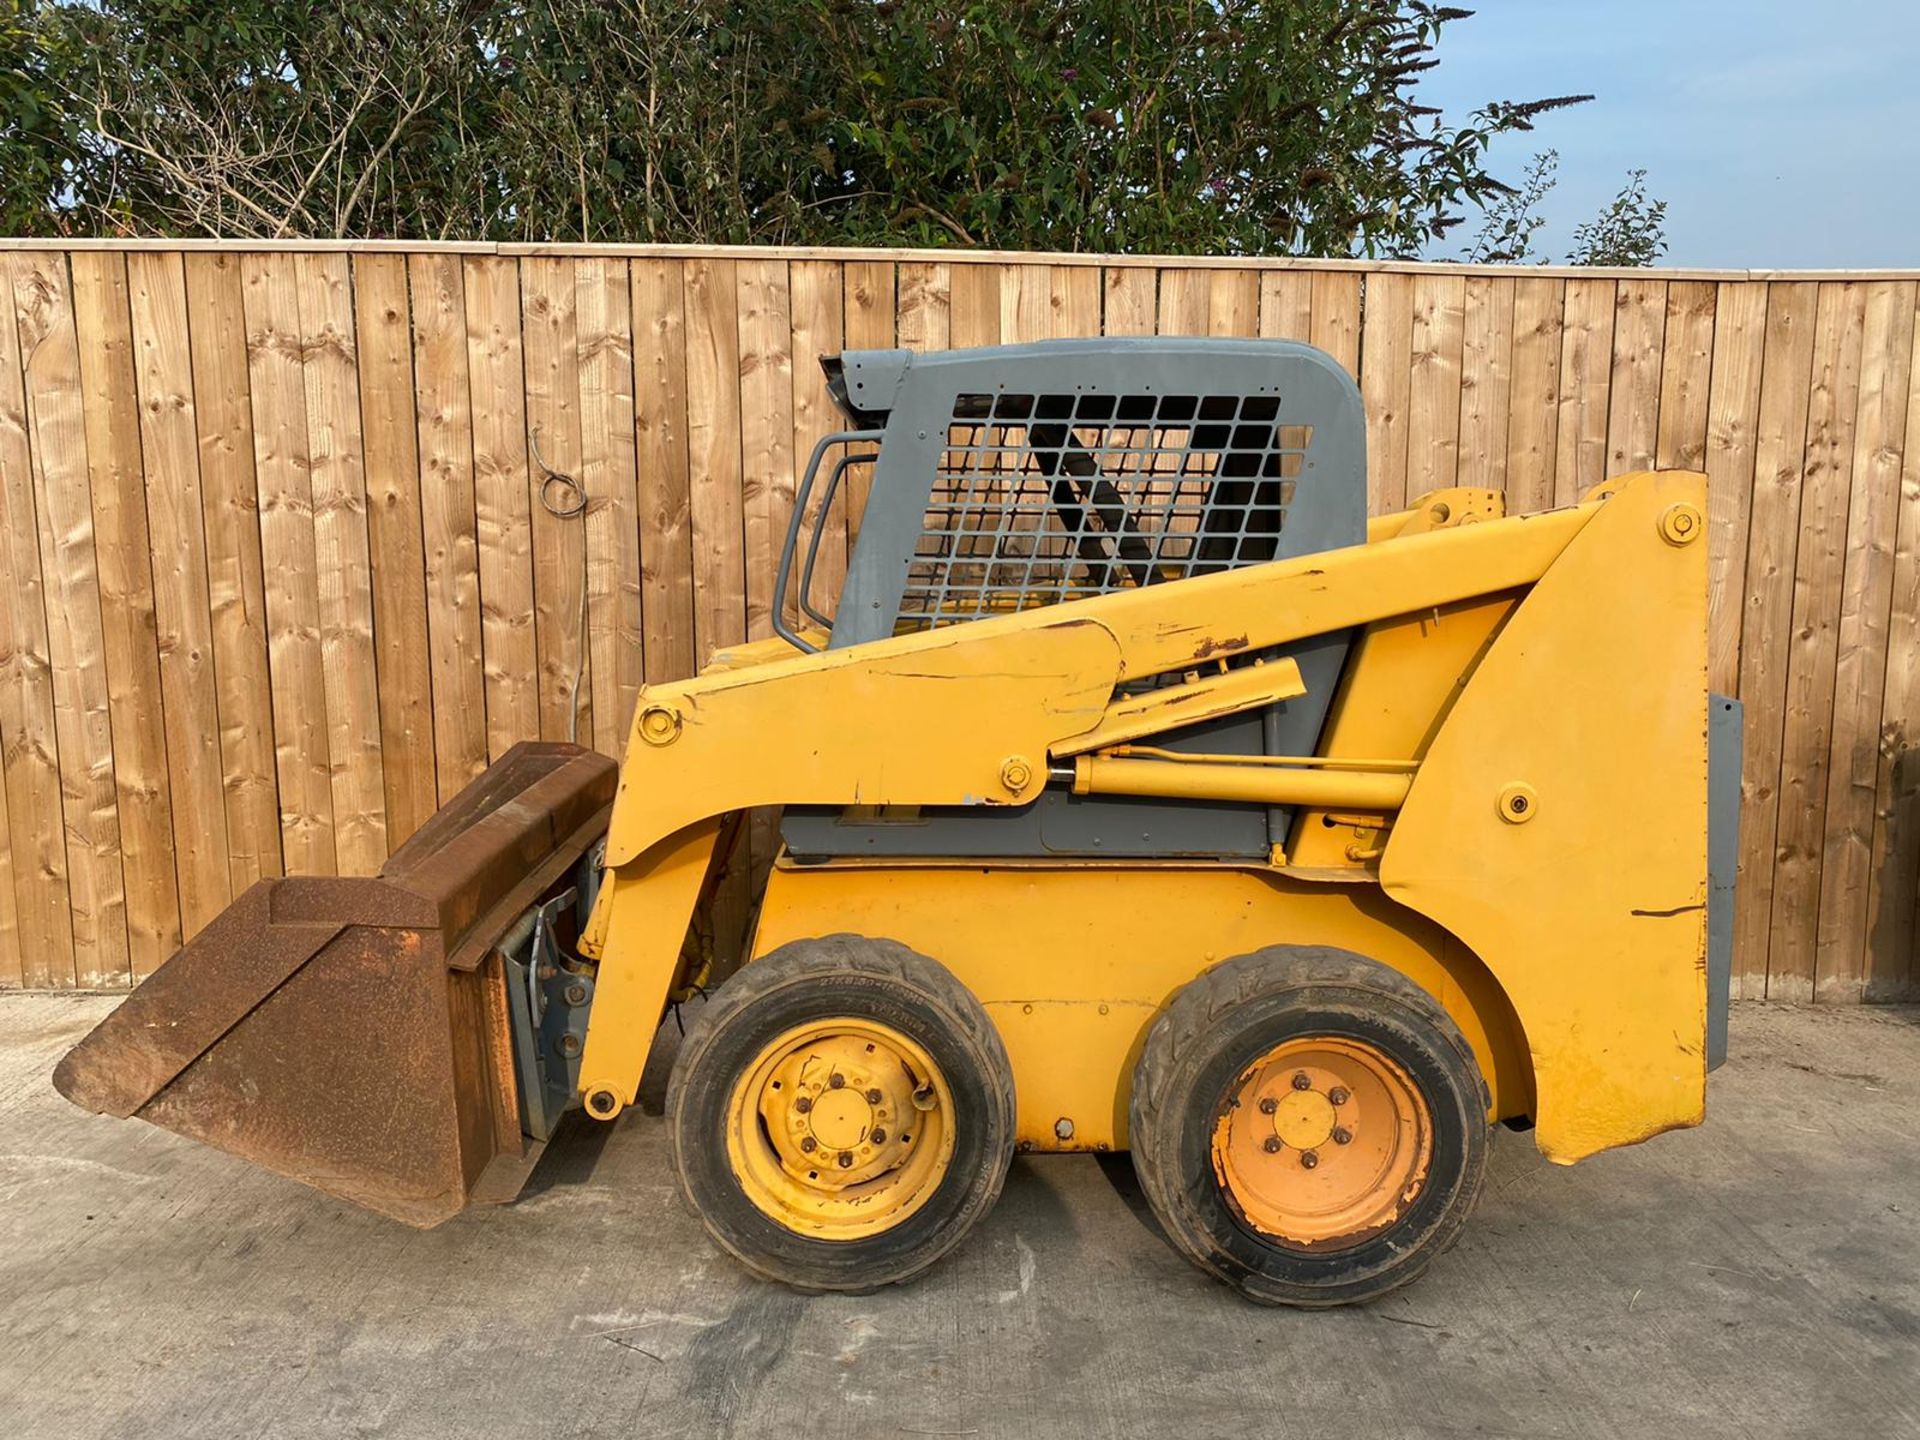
(1140,793)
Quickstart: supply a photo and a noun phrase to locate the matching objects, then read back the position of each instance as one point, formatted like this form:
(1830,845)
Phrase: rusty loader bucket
(360,1035)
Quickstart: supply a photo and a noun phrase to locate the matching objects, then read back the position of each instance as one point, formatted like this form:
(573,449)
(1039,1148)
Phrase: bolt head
(1302,1080)
(1269,1105)
(809,1144)
(1308,1159)
(873,1097)
(1339,1095)
(803,1104)
(1271,1145)
(879,1137)
(837,1080)
(1342,1135)
(845,1162)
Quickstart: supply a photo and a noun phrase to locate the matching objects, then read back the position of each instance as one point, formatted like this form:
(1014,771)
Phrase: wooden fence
(277,578)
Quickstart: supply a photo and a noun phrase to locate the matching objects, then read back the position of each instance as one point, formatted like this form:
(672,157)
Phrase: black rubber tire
(1201,1045)
(818,979)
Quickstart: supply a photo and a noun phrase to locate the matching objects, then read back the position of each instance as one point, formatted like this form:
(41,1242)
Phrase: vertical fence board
(551,355)
(1233,302)
(660,436)
(604,330)
(1893,887)
(713,448)
(1130,299)
(1866,595)
(1586,364)
(817,291)
(1686,372)
(1633,401)
(1186,299)
(765,317)
(1074,307)
(925,292)
(1733,408)
(396,541)
(973,313)
(57,442)
(103,334)
(1780,435)
(1819,564)
(1336,318)
(1433,412)
(449,536)
(1486,381)
(1534,394)
(1026,303)
(330,365)
(496,383)
(236,579)
(1286,305)
(29,748)
(183,613)
(1386,387)
(281,466)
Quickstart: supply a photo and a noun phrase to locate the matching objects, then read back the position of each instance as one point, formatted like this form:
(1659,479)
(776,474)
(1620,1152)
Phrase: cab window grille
(1050,497)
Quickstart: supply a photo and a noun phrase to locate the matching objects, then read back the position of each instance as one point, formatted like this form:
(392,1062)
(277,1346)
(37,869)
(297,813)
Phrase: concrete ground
(1757,1277)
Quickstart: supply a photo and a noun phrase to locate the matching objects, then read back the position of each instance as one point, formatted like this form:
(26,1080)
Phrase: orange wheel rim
(1324,1142)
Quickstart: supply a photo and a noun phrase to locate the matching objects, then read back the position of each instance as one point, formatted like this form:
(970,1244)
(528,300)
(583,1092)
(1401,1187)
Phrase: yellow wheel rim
(840,1129)
(1324,1142)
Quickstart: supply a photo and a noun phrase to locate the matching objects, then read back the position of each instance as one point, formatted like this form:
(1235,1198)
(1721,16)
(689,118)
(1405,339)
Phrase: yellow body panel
(1555,850)
(1074,960)
(1402,678)
(1589,903)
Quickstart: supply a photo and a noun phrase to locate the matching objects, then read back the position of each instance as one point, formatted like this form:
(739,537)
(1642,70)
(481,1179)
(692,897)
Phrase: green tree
(1191,126)
(1632,230)
(1511,219)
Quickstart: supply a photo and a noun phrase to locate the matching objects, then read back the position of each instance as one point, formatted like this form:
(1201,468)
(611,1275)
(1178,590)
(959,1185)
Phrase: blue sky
(1779,134)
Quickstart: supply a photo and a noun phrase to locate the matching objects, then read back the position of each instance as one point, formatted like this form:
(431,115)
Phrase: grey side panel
(1724,720)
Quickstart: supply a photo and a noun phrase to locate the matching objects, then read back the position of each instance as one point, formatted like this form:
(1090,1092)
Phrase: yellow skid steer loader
(1140,793)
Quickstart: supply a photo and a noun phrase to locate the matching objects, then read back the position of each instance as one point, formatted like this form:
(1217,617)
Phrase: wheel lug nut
(879,1137)
(1342,1135)
(809,1144)
(1269,1105)
(873,1097)
(1308,1159)
(1302,1080)
(846,1160)
(1271,1145)
(836,1080)
(1338,1095)
(803,1104)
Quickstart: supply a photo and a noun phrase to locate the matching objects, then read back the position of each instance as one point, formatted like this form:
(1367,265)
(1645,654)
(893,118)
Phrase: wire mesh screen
(1051,497)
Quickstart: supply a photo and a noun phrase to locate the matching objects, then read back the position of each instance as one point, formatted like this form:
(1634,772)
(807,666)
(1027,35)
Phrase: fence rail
(276,574)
